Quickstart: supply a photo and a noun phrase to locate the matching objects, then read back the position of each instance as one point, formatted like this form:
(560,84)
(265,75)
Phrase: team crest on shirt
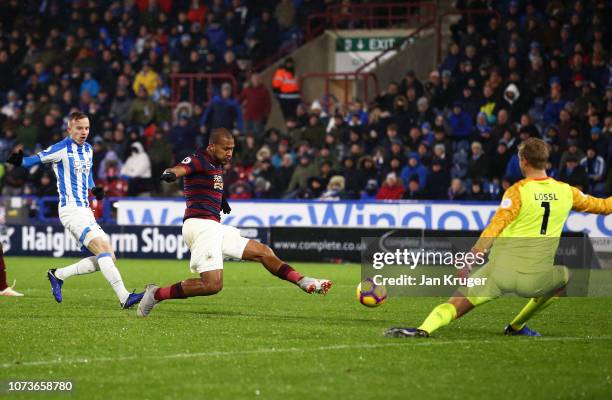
(506,203)
(82,166)
(218,182)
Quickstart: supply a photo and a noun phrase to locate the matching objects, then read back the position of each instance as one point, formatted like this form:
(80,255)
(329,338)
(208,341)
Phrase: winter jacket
(222,113)
(390,192)
(138,164)
(461,124)
(256,101)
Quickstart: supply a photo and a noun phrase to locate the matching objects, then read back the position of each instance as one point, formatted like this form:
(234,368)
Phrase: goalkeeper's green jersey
(530,219)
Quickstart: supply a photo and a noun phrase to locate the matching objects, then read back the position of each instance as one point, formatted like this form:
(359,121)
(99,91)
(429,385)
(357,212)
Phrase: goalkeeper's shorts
(501,279)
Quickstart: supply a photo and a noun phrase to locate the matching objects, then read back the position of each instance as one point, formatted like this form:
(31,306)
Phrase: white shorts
(209,242)
(81,223)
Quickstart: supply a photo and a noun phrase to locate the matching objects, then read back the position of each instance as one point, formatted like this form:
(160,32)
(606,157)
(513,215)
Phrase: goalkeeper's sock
(440,316)
(170,292)
(532,307)
(112,275)
(3,284)
(289,274)
(84,266)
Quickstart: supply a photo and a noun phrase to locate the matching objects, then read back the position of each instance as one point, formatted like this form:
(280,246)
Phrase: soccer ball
(370,294)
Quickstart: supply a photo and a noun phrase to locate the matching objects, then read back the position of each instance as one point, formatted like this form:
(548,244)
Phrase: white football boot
(10,291)
(313,285)
(148,300)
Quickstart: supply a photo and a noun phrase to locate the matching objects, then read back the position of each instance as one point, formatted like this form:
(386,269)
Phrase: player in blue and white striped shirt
(72,163)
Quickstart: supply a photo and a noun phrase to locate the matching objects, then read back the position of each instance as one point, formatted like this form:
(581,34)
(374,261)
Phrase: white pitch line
(409,343)
(276,287)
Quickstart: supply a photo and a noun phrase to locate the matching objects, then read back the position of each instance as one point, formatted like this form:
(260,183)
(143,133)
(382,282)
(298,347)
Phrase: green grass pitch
(263,338)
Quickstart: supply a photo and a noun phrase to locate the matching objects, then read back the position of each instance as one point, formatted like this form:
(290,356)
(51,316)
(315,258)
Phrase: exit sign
(359,44)
(352,53)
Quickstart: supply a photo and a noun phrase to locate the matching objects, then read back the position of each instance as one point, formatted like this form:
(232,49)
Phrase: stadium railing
(369,16)
(383,15)
(468,14)
(436,21)
(348,78)
(185,85)
(376,61)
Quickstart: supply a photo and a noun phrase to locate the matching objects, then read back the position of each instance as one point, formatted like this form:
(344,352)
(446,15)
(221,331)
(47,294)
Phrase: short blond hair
(76,115)
(535,152)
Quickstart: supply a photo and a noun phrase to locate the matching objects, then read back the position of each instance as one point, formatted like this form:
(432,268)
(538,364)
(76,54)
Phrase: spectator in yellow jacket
(147,78)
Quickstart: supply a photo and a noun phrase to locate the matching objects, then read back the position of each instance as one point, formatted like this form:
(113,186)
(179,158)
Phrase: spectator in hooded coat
(137,169)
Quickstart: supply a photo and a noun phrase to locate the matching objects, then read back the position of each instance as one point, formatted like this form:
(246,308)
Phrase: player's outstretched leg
(534,306)
(5,289)
(58,276)
(106,262)
(82,267)
(440,316)
(255,251)
(560,278)
(209,283)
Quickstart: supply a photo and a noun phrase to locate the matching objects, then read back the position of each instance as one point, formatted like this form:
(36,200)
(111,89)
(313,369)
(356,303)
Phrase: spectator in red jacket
(114,185)
(197,12)
(257,105)
(391,189)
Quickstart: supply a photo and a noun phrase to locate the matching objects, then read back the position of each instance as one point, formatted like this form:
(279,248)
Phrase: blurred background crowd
(541,70)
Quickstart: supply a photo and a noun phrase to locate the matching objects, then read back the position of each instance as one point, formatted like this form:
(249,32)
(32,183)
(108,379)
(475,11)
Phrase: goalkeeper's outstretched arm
(589,204)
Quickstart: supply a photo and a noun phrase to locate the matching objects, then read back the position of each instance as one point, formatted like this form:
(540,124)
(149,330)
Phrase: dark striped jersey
(203,186)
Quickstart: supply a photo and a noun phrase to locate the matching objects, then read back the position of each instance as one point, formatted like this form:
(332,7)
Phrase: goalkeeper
(522,237)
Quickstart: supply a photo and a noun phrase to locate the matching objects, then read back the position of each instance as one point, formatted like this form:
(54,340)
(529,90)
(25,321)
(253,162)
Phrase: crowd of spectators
(537,69)
(113,58)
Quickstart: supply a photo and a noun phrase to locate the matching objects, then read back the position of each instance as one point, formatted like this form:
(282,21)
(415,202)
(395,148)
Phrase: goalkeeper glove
(16,158)
(98,192)
(168,176)
(478,256)
(225,206)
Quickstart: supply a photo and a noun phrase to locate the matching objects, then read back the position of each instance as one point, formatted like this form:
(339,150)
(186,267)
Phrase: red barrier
(184,82)
(348,77)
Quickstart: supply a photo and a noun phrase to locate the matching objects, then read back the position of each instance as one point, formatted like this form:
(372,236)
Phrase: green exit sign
(366,44)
